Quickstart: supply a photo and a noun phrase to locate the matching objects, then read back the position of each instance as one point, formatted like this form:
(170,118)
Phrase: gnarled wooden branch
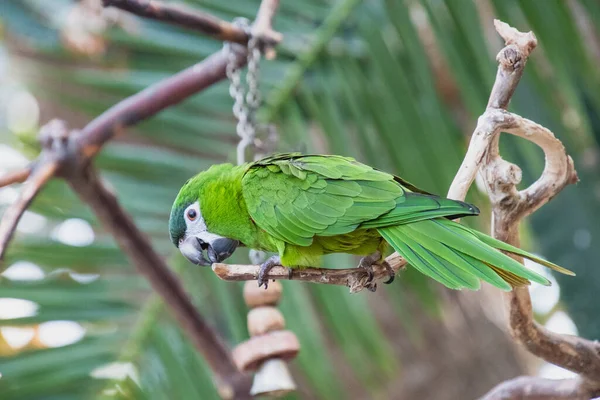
(510,206)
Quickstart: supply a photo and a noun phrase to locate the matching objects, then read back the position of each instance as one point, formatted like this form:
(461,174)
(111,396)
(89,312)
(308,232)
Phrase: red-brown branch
(153,100)
(230,381)
(182,16)
(200,21)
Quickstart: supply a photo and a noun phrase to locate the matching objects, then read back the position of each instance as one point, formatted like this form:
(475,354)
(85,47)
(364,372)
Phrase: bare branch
(193,19)
(263,30)
(571,352)
(148,263)
(533,388)
(38,178)
(152,100)
(354,278)
(262,26)
(509,207)
(15,177)
(511,60)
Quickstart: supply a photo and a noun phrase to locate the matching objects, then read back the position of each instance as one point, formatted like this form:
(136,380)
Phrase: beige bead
(255,296)
(249,355)
(264,319)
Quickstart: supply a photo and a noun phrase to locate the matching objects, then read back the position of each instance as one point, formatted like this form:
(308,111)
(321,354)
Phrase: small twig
(13,177)
(354,278)
(263,29)
(38,178)
(512,59)
(193,19)
(509,206)
(534,388)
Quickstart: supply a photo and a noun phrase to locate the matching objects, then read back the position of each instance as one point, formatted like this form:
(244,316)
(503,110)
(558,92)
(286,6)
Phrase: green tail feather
(459,257)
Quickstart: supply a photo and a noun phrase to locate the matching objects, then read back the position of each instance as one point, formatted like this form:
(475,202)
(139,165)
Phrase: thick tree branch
(354,278)
(230,381)
(152,100)
(199,21)
(510,206)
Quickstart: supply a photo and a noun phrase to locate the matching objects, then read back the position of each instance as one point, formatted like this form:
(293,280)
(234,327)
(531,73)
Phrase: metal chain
(245,104)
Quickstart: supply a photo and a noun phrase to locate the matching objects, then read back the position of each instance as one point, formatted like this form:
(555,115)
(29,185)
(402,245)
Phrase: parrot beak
(218,249)
(192,249)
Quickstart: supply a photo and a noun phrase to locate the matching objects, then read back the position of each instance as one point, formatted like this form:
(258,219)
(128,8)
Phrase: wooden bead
(264,319)
(255,296)
(249,355)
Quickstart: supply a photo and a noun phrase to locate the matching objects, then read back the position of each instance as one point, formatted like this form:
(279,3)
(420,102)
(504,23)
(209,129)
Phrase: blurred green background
(398,84)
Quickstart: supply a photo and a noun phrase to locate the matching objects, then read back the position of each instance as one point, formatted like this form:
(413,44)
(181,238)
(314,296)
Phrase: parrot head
(190,234)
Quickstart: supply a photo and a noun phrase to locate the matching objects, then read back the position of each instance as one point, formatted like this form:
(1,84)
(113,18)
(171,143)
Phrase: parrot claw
(390,271)
(367,263)
(264,270)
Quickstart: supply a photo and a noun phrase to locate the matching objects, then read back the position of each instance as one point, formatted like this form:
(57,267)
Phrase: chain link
(245,104)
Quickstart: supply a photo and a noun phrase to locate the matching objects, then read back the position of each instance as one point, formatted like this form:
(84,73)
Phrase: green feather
(396,239)
(498,244)
(452,236)
(459,260)
(343,188)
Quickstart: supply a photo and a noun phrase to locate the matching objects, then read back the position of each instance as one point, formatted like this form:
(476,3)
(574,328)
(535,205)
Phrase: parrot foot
(265,268)
(367,263)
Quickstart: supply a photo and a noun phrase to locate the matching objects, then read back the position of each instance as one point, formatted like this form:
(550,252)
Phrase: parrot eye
(192,214)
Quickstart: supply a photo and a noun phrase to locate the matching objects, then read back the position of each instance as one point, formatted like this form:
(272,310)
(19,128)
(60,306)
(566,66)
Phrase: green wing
(295,197)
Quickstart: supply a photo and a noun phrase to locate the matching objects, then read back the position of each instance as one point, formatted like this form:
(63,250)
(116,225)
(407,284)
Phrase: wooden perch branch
(509,207)
(354,278)
(68,155)
(199,21)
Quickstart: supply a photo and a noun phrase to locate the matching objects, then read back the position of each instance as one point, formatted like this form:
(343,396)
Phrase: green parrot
(304,206)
